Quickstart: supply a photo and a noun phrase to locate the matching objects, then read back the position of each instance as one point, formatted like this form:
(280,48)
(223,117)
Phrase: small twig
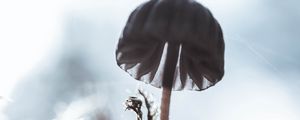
(148,105)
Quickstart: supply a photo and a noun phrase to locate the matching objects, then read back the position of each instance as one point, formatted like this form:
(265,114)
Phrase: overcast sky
(57,62)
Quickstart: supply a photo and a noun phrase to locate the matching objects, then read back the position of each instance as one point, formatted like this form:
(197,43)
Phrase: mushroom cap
(141,50)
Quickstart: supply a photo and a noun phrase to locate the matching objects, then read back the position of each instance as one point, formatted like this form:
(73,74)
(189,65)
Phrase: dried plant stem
(148,105)
(139,115)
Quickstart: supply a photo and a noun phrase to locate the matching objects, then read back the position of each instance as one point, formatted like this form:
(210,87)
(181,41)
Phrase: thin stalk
(165,104)
(168,77)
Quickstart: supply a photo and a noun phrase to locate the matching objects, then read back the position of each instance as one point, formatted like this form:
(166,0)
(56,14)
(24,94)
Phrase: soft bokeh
(57,62)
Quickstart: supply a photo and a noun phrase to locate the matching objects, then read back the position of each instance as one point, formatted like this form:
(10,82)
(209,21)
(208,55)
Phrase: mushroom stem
(165,103)
(168,77)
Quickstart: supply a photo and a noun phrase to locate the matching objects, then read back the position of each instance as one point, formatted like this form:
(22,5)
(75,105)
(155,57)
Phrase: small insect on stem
(135,104)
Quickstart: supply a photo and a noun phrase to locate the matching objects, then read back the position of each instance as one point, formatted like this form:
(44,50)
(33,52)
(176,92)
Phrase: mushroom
(173,45)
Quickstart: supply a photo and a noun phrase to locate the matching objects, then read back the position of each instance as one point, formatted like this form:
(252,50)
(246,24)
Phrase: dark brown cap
(155,25)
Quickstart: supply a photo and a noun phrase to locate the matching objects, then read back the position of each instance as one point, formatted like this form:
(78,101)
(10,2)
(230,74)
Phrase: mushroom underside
(142,47)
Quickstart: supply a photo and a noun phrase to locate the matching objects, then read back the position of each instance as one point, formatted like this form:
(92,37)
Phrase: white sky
(29,31)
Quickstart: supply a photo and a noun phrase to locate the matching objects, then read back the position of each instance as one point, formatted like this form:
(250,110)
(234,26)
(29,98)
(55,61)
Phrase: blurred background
(57,62)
